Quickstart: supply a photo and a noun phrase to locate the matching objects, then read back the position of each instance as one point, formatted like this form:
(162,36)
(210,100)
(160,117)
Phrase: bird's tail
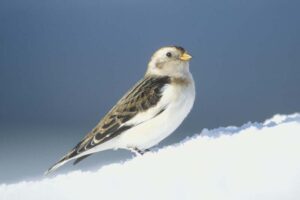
(61,162)
(55,167)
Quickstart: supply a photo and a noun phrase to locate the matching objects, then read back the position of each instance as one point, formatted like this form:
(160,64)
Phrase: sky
(226,167)
(64,64)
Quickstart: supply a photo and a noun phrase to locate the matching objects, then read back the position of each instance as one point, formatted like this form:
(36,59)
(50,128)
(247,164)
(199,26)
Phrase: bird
(148,113)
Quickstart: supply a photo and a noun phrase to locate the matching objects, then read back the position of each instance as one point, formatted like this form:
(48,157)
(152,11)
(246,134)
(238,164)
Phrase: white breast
(178,100)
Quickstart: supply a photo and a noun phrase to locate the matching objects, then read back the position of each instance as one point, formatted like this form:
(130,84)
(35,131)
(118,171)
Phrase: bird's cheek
(159,65)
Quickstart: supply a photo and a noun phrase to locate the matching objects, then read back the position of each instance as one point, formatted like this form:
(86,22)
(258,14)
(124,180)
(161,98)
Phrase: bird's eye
(169,54)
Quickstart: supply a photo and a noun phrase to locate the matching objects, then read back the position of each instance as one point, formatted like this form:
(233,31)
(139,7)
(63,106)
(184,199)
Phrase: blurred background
(65,63)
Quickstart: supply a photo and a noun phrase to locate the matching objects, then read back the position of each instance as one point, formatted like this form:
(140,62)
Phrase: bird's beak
(185,57)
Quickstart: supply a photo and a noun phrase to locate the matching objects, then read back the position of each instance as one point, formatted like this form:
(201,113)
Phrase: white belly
(151,132)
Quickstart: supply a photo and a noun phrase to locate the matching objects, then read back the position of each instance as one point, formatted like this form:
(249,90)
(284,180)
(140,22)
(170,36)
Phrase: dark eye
(169,54)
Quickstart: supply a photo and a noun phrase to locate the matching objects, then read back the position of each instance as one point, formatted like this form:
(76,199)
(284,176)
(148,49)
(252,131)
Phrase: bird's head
(169,61)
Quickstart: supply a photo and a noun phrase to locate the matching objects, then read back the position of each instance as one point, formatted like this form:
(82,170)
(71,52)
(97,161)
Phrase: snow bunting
(147,113)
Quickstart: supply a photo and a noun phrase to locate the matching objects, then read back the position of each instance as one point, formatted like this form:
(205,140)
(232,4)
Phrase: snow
(254,161)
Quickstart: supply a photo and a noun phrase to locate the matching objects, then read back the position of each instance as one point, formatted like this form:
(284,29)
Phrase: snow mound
(255,161)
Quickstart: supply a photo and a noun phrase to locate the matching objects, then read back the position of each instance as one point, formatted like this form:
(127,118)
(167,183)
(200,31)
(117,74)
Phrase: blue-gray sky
(63,64)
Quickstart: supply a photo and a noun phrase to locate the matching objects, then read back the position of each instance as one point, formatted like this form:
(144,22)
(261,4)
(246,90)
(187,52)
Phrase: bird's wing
(143,96)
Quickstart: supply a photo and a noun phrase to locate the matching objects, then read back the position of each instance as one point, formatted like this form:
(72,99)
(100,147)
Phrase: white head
(169,61)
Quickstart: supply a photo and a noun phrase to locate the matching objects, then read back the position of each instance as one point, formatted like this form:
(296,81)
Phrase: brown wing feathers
(144,95)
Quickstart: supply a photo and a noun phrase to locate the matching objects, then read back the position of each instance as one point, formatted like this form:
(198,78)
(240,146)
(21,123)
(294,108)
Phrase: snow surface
(255,161)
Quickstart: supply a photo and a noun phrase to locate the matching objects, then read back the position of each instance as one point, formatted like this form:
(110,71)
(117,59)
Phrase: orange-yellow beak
(185,57)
